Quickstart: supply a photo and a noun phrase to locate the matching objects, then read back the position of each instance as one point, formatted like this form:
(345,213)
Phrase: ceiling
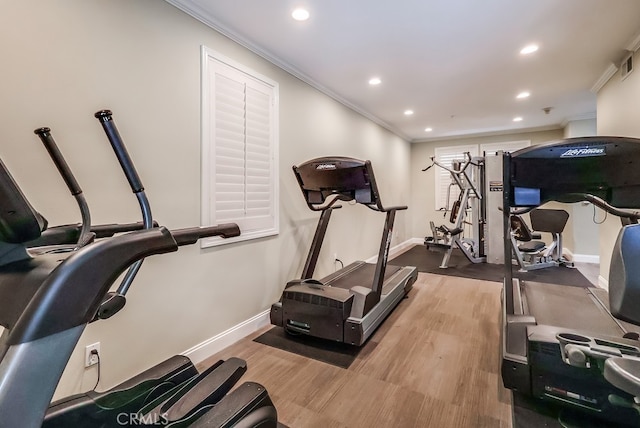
(455,63)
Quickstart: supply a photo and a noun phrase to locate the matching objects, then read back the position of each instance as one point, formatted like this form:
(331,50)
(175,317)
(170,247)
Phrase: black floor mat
(429,261)
(334,353)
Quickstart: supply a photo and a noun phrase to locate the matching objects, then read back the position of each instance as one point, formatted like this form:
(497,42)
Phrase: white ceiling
(455,63)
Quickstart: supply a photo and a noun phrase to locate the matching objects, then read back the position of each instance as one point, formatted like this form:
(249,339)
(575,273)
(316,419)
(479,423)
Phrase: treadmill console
(343,178)
(605,167)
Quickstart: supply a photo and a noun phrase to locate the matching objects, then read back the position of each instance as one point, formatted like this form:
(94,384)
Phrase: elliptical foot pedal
(249,405)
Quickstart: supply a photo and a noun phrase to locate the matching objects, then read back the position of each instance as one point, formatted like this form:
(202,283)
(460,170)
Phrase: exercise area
(298,215)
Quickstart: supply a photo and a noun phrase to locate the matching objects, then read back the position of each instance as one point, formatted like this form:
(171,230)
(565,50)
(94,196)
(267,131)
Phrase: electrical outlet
(335,256)
(90,358)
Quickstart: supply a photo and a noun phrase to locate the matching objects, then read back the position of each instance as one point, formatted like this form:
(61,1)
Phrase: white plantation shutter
(446,155)
(240,120)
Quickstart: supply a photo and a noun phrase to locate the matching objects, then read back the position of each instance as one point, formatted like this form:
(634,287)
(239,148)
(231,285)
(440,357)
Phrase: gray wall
(64,60)
(585,230)
(618,107)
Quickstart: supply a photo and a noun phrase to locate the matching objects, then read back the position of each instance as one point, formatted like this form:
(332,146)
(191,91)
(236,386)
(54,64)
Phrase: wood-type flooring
(434,362)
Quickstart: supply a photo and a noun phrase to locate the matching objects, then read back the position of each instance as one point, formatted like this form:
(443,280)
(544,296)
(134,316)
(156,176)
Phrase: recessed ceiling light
(300,14)
(529,49)
(375,81)
(517,119)
(522,95)
(428,129)
(408,112)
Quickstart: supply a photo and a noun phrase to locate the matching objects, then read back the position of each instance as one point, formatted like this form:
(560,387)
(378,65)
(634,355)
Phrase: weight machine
(468,210)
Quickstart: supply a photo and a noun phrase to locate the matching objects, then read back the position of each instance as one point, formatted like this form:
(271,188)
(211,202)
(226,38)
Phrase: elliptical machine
(466,176)
(48,296)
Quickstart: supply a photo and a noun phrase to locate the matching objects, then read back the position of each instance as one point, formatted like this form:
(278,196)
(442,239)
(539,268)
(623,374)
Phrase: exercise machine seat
(523,234)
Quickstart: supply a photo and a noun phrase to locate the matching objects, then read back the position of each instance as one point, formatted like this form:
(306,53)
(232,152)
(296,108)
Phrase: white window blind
(446,155)
(239,148)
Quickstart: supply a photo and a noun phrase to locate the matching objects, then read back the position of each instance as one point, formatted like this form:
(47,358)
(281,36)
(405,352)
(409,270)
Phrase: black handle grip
(109,126)
(192,234)
(58,160)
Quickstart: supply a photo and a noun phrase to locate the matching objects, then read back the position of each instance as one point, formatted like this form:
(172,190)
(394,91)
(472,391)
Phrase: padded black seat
(531,246)
(523,234)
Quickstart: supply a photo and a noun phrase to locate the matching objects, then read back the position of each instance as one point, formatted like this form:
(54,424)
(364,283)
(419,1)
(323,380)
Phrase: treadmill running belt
(568,307)
(603,296)
(362,276)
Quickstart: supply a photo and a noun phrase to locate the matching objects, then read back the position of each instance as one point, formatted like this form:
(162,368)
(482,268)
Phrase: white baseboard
(580,258)
(586,258)
(397,249)
(603,283)
(211,346)
(217,343)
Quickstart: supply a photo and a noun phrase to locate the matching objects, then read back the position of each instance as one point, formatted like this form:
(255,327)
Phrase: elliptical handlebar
(51,146)
(116,301)
(54,152)
(106,120)
(193,234)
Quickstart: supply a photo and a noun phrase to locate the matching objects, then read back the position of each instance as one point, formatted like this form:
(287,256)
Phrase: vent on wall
(627,66)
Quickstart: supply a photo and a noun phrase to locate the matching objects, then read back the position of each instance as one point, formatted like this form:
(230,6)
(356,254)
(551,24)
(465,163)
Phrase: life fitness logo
(583,152)
(323,166)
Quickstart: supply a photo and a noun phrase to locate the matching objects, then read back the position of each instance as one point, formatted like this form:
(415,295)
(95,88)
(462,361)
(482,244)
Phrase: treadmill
(539,320)
(348,305)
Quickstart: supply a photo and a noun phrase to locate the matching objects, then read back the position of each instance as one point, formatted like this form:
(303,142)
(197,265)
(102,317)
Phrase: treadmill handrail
(326,206)
(387,209)
(604,205)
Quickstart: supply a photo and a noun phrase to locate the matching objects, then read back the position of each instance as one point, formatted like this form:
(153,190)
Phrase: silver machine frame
(468,175)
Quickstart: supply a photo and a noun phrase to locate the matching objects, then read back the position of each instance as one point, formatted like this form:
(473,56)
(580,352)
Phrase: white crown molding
(604,78)
(488,134)
(201,15)
(634,44)
(586,116)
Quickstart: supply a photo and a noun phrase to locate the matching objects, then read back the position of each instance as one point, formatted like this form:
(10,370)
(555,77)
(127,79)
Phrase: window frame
(209,59)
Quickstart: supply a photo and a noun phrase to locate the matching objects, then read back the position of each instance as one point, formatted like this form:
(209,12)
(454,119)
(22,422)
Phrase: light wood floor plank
(433,363)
